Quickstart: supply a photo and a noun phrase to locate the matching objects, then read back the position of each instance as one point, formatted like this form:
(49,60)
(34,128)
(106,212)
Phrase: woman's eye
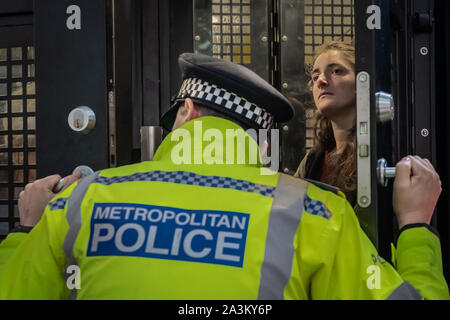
(314,78)
(337,71)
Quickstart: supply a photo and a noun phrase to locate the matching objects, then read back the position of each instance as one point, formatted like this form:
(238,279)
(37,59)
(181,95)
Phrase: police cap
(231,89)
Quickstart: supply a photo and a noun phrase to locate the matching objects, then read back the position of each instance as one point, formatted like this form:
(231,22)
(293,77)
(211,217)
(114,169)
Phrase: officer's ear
(191,109)
(188,111)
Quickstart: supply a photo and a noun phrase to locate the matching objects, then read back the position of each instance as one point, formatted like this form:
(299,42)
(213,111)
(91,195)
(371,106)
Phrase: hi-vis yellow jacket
(164,230)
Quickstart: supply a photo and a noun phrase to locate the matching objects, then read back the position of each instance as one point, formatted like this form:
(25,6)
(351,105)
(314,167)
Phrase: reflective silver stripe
(73,217)
(284,219)
(405,291)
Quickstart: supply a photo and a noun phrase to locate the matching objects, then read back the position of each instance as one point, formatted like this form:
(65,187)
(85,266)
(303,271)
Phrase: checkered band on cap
(202,90)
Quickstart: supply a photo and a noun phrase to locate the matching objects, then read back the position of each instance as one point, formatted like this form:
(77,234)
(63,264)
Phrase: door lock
(385,106)
(81,119)
(384,172)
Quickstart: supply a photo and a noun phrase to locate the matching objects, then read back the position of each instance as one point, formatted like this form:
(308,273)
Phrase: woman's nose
(322,80)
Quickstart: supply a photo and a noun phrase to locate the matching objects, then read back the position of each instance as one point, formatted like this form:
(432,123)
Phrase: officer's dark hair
(205,111)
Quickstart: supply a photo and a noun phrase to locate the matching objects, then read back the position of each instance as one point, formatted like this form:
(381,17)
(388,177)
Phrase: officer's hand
(417,187)
(36,195)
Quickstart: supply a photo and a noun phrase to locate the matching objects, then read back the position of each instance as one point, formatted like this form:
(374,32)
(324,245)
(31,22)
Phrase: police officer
(204,220)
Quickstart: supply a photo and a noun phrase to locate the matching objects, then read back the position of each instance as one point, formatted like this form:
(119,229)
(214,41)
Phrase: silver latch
(363,134)
(151,138)
(81,119)
(384,106)
(384,172)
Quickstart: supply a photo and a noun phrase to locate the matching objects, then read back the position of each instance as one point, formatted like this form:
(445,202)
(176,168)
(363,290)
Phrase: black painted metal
(372,56)
(442,29)
(17,109)
(71,68)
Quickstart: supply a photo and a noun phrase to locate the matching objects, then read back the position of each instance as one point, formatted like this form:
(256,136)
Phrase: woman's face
(333,80)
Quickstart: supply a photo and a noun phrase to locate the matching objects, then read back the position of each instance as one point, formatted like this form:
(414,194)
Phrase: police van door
(74,77)
(375,115)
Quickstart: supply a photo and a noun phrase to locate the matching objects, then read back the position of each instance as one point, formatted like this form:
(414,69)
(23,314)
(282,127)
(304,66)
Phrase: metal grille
(231,28)
(17,130)
(325,20)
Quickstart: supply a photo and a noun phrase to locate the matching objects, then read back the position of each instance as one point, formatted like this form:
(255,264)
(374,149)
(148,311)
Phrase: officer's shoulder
(324,186)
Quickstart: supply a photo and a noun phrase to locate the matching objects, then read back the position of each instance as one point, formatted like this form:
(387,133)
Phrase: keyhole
(77,123)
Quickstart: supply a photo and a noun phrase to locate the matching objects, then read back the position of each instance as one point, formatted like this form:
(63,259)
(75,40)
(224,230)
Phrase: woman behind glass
(332,160)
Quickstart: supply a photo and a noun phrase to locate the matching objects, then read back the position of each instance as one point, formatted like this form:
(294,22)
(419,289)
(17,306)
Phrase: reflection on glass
(31,105)
(4,227)
(31,88)
(32,175)
(17,158)
(3,89)
(17,105)
(16,89)
(3,158)
(18,175)
(17,141)
(3,54)
(31,71)
(3,141)
(30,53)
(17,191)
(3,72)
(32,158)
(32,141)
(16,53)
(16,71)
(3,106)
(3,196)
(31,123)
(17,123)
(3,175)
(3,124)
